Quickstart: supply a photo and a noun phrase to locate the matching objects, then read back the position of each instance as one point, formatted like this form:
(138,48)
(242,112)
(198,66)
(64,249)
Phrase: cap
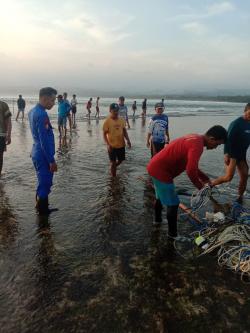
(159,105)
(114,107)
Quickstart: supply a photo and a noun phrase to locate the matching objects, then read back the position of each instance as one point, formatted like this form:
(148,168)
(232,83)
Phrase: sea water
(98,264)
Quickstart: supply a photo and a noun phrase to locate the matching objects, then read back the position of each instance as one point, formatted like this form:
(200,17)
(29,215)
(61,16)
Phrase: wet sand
(98,264)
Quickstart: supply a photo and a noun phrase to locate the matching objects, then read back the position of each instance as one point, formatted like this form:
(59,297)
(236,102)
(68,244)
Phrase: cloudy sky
(135,45)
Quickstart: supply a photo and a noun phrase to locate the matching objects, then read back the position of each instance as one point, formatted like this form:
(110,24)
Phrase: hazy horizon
(133,46)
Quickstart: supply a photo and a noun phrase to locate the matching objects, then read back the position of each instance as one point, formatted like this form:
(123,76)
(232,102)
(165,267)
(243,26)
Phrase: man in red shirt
(181,154)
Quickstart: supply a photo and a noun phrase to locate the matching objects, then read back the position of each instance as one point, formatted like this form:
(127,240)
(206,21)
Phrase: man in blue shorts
(235,152)
(158,134)
(63,113)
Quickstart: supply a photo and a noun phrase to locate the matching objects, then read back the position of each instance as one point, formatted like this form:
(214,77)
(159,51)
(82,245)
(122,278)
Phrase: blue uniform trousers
(44,176)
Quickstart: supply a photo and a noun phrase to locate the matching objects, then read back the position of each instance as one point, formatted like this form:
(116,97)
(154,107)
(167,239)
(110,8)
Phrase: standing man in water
(73,104)
(181,154)
(5,130)
(134,108)
(68,105)
(123,110)
(114,132)
(235,151)
(43,149)
(158,134)
(144,107)
(88,107)
(20,107)
(97,114)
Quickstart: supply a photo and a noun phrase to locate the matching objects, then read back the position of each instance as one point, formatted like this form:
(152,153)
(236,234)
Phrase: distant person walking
(20,107)
(88,107)
(67,103)
(158,134)
(123,110)
(97,114)
(134,108)
(144,107)
(235,151)
(114,133)
(73,104)
(43,149)
(5,130)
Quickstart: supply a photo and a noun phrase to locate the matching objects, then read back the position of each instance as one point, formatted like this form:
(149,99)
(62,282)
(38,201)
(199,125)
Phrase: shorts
(97,109)
(2,144)
(62,121)
(73,109)
(21,110)
(166,193)
(117,154)
(156,147)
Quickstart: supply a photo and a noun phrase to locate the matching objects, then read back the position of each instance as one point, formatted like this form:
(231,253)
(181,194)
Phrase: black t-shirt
(238,139)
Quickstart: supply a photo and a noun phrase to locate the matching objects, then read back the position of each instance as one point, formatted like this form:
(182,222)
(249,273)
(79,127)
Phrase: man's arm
(125,133)
(227,177)
(42,127)
(148,139)
(192,168)
(8,126)
(105,138)
(167,136)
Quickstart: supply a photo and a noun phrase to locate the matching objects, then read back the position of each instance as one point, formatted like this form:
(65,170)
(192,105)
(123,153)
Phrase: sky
(132,45)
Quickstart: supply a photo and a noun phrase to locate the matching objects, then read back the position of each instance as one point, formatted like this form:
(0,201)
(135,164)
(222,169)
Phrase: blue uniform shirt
(157,127)
(42,133)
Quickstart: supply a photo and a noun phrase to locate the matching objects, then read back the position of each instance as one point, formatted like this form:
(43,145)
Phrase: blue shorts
(166,193)
(62,121)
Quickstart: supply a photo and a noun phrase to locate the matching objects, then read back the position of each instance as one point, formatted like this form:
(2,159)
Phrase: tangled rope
(201,197)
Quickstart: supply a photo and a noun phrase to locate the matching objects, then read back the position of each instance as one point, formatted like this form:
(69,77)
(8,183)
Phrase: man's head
(247,112)
(113,109)
(121,100)
(20,96)
(215,136)
(65,95)
(74,96)
(159,108)
(47,97)
(59,98)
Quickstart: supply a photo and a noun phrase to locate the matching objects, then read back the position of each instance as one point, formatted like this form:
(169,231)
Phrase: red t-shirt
(181,154)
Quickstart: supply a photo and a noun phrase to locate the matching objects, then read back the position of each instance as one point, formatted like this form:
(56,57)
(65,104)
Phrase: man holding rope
(182,154)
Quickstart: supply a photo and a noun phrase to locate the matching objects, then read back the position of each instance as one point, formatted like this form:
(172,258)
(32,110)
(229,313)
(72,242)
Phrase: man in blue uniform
(43,149)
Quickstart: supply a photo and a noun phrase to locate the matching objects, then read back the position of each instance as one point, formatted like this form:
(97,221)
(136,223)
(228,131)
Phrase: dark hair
(121,98)
(247,107)
(59,96)
(47,91)
(218,132)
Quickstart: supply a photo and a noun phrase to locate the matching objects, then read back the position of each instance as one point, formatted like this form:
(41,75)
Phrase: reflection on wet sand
(8,222)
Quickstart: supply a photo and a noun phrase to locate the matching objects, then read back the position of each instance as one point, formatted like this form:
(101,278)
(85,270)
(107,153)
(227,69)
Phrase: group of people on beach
(168,158)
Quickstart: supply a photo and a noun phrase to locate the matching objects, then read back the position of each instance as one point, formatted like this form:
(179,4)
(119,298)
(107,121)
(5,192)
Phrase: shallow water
(98,264)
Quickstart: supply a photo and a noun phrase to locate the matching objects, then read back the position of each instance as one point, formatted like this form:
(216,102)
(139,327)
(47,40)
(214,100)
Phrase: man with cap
(114,133)
(43,149)
(158,134)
